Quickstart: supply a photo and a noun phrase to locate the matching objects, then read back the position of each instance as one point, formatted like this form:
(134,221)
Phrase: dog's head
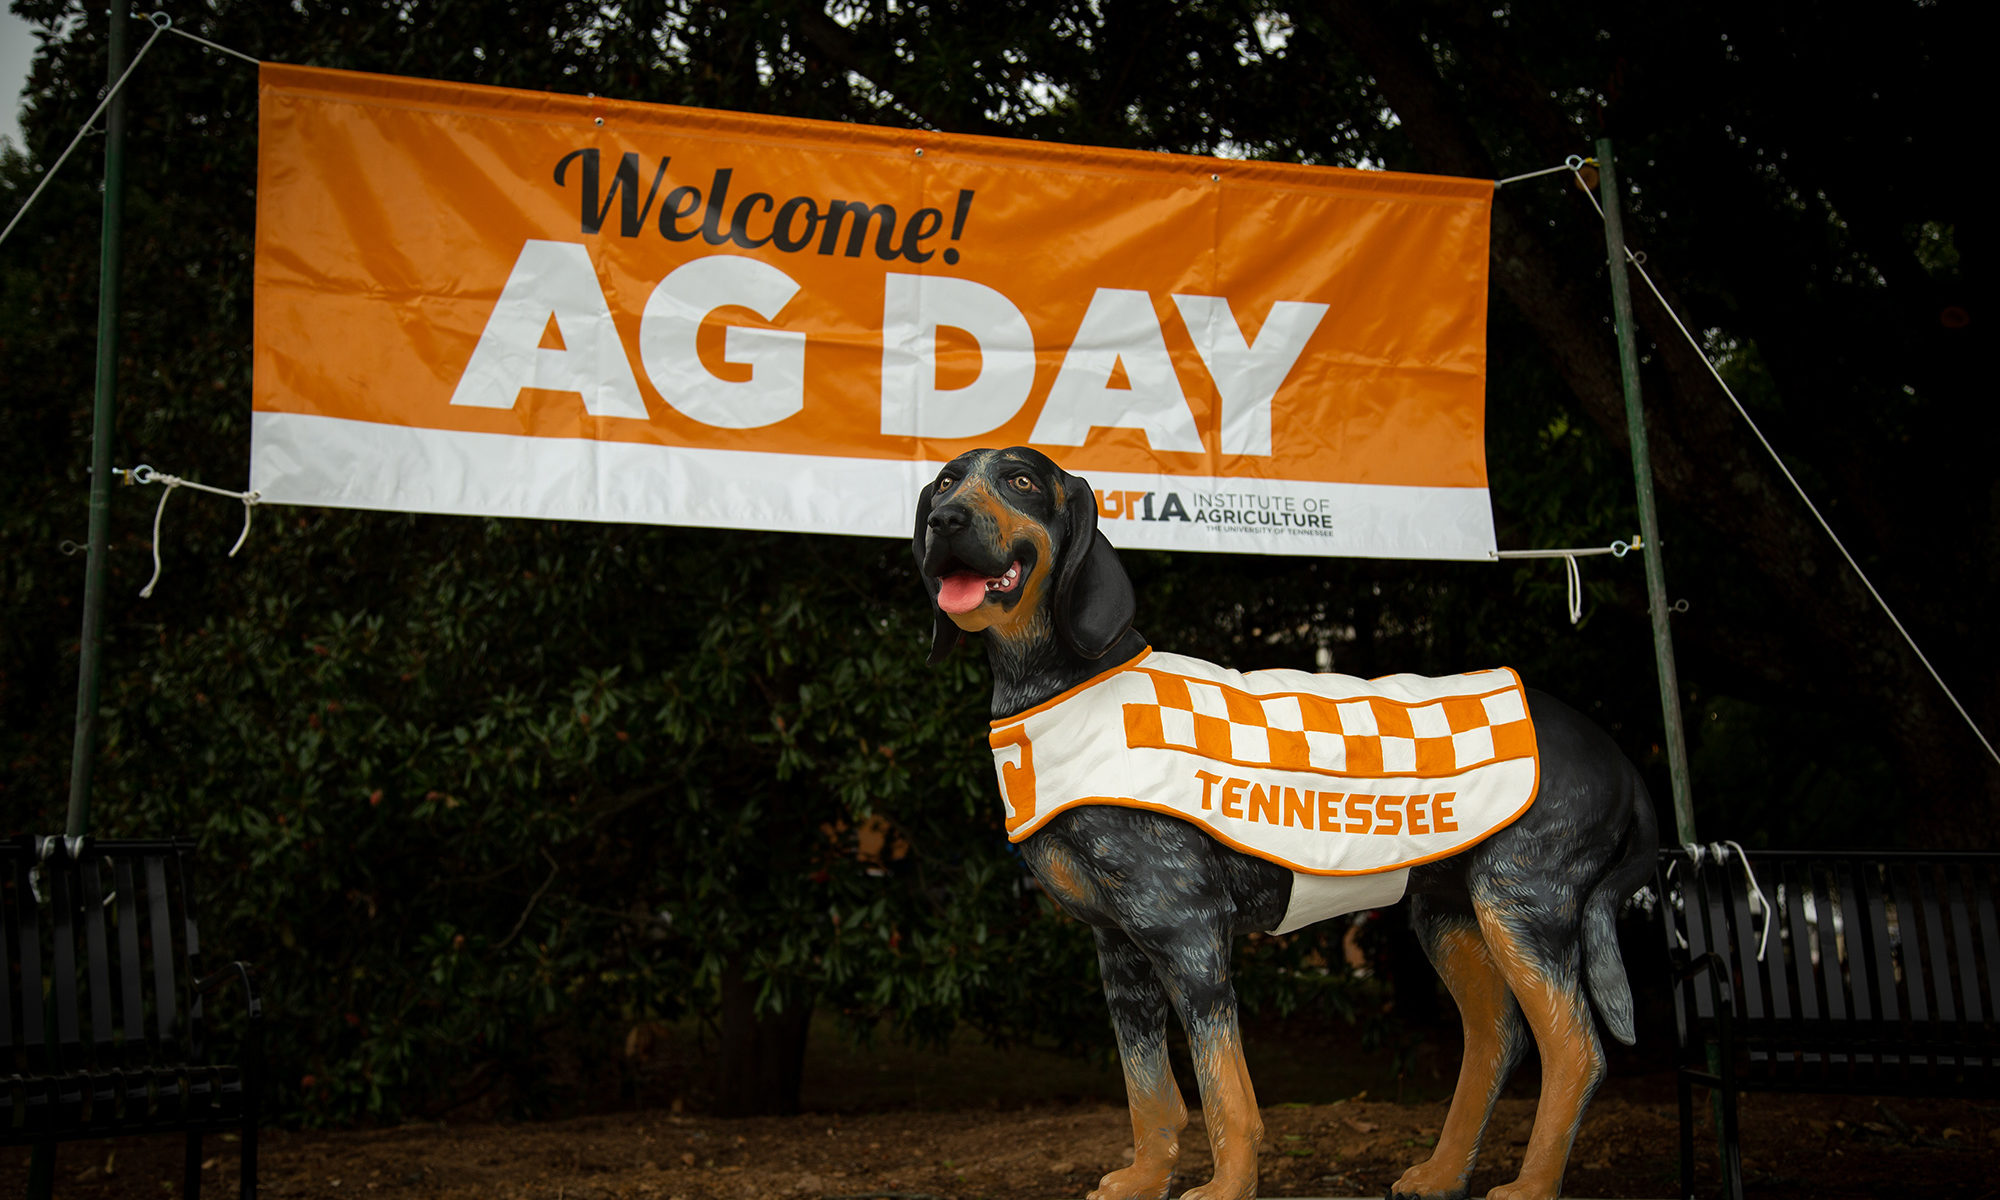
(1007,544)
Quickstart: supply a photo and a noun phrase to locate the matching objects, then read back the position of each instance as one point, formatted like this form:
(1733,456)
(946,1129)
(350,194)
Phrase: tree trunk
(763,1054)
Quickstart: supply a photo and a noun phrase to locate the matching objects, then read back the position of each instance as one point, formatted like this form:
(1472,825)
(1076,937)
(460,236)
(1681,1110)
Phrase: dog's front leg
(1193,961)
(1139,1015)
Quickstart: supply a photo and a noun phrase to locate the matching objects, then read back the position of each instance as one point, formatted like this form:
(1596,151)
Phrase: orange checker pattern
(1300,731)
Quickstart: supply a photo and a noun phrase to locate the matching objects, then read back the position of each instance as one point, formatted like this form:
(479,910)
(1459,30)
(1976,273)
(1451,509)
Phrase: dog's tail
(1604,968)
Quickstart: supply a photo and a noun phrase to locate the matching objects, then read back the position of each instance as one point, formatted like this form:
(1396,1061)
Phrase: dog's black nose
(947,520)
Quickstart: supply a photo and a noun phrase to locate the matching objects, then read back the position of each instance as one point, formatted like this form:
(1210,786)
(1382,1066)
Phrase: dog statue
(1519,923)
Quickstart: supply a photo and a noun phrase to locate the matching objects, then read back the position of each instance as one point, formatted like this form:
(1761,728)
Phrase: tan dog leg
(1494,1041)
(1158,1116)
(1228,1107)
(1547,983)
(1139,1015)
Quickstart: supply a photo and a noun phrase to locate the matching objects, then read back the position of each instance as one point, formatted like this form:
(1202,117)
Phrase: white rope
(160,23)
(1615,550)
(1719,851)
(1571,164)
(213,45)
(1569,557)
(1751,877)
(145,474)
(1638,262)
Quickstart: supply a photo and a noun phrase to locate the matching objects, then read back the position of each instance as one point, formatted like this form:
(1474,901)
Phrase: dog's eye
(1022,483)
(945,482)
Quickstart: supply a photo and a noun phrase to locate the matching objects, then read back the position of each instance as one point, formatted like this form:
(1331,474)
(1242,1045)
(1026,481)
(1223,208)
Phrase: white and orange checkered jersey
(1329,775)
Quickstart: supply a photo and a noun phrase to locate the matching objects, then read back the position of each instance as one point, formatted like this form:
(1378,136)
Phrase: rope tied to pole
(147,475)
(1572,164)
(1569,555)
(1638,261)
(161,23)
(1721,852)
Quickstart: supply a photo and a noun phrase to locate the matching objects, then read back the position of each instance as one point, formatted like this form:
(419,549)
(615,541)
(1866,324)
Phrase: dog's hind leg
(1495,1039)
(1139,1009)
(1538,954)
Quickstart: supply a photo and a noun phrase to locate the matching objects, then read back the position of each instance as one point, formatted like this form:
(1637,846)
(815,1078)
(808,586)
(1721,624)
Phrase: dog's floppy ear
(945,636)
(1094,600)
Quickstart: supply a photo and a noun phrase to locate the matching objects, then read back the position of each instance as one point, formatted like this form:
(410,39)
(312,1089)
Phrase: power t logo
(1224,510)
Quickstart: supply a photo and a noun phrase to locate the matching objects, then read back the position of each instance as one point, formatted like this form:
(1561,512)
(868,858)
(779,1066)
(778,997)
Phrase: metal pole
(103,417)
(1642,472)
(42,1163)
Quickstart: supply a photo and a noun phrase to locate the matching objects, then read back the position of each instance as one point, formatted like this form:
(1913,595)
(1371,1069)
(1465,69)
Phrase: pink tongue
(962,592)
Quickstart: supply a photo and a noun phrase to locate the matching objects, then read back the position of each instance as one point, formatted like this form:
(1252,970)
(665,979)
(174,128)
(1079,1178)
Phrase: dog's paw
(1429,1181)
(1134,1183)
(1221,1188)
(1521,1190)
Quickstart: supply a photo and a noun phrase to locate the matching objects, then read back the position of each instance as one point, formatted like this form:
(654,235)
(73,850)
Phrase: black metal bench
(102,1028)
(1879,975)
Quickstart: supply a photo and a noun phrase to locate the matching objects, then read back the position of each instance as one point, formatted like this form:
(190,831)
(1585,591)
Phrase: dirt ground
(887,1123)
(1811,1147)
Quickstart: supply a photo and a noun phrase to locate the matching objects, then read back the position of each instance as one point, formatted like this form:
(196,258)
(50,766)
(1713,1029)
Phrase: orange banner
(472,299)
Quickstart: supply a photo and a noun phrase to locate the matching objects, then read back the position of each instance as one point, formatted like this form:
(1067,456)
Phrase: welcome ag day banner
(487,301)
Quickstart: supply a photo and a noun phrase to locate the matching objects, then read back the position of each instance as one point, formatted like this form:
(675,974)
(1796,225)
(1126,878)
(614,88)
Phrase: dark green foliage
(478,796)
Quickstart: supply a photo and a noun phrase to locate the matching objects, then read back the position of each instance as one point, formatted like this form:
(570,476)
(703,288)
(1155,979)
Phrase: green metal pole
(1642,472)
(42,1163)
(103,417)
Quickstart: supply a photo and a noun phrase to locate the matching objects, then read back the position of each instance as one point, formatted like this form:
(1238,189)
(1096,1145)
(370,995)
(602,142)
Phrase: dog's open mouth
(962,591)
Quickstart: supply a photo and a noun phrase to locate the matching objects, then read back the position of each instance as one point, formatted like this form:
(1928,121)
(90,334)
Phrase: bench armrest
(239,971)
(253,1037)
(1696,1051)
(1708,960)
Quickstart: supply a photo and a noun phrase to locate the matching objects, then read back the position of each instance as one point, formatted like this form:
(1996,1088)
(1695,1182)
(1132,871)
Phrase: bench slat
(1855,927)
(1876,878)
(1801,957)
(97,951)
(62,908)
(1827,927)
(1904,897)
(1984,885)
(1964,964)
(166,1015)
(1747,967)
(1694,929)
(134,1050)
(1713,939)
(1937,951)
(10,1039)
(1791,1003)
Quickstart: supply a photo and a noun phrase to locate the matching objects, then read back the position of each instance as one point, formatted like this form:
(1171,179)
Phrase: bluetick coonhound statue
(1519,923)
